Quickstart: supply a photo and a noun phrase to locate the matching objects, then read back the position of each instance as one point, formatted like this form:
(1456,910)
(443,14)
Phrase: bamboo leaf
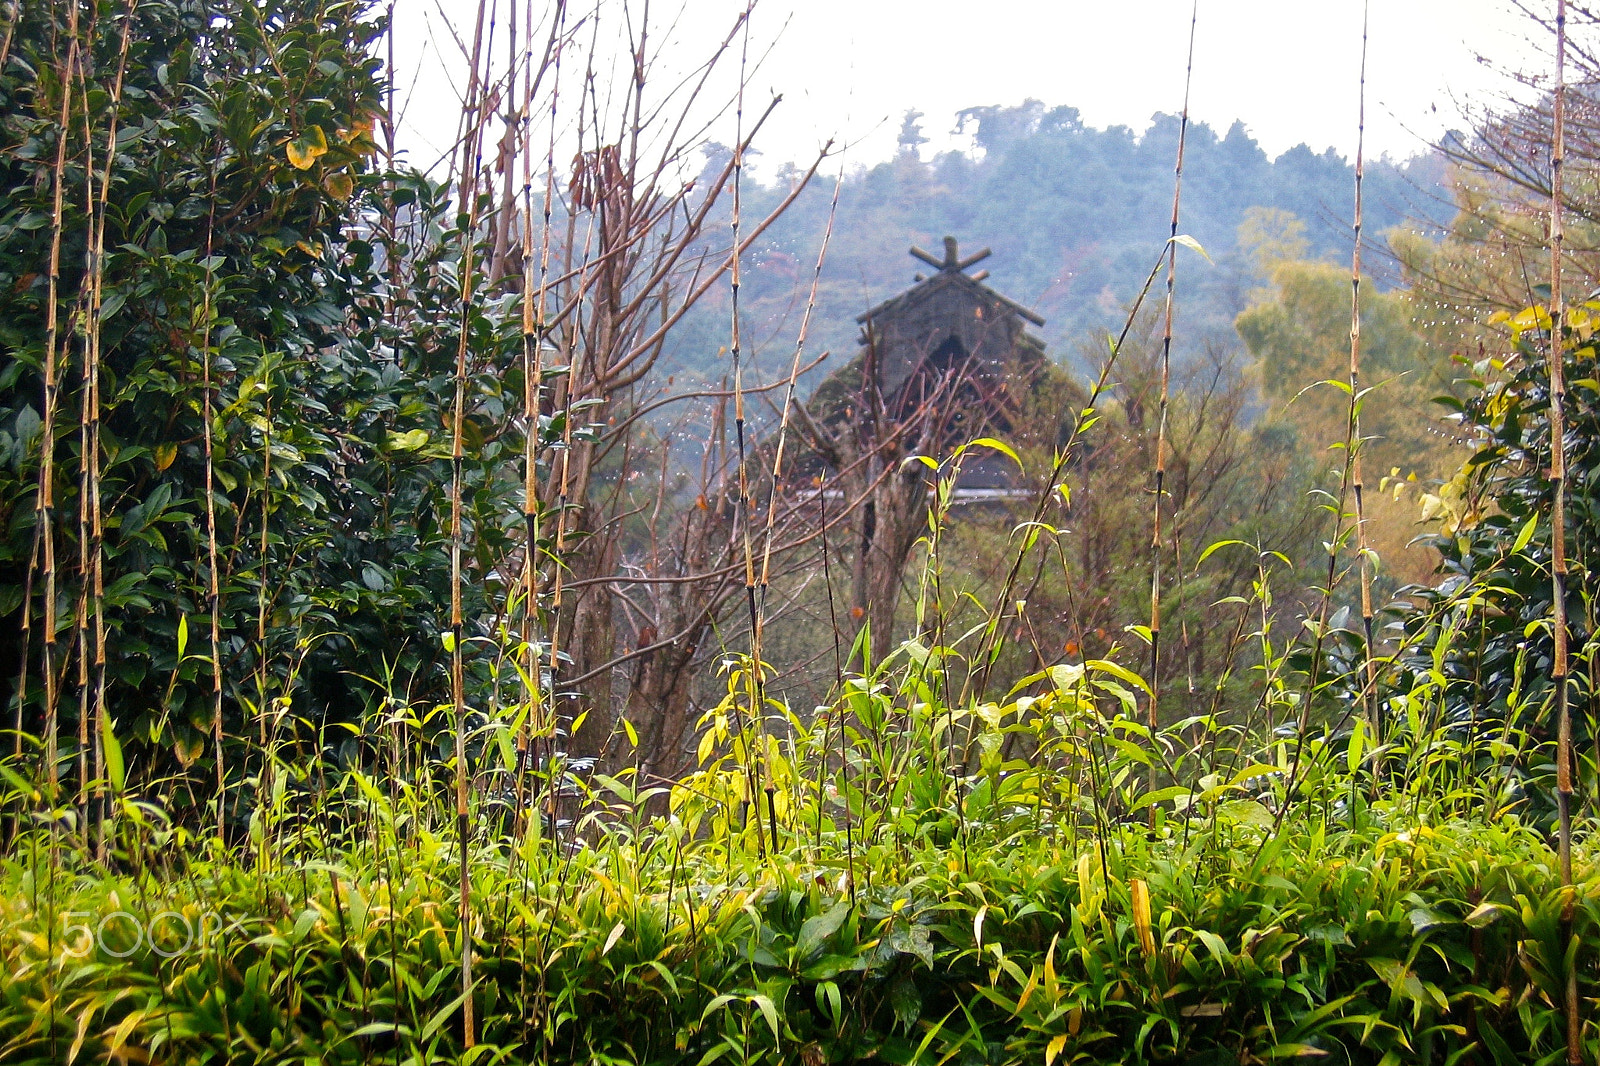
(1217,546)
(115,769)
(614,936)
(1141,916)
(769,1012)
(1525,534)
(1122,673)
(818,928)
(1183,240)
(998,445)
(1486,913)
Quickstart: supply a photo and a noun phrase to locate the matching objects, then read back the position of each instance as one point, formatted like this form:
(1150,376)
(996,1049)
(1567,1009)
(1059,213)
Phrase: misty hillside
(1075,216)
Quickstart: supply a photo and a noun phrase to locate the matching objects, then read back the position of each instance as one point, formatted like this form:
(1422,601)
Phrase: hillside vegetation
(438,629)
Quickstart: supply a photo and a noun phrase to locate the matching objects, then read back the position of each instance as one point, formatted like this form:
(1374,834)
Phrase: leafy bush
(1384,939)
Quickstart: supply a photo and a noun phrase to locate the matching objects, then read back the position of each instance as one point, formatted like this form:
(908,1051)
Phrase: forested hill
(1075,216)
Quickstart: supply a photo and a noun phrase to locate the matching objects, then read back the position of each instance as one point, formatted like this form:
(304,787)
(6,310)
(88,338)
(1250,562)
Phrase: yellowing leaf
(1530,318)
(611,940)
(307,148)
(165,454)
(1186,241)
(362,127)
(299,157)
(1141,916)
(339,185)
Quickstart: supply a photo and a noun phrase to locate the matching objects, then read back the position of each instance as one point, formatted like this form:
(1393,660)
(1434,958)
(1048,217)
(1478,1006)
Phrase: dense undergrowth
(1372,906)
(1370,936)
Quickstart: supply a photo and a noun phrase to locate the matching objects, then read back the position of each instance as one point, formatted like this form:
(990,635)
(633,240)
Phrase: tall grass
(1052,925)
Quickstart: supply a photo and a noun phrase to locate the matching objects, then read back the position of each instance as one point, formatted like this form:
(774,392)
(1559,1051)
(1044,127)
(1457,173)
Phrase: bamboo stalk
(1349,482)
(213,580)
(754,763)
(12,12)
(976,685)
(264,784)
(467,209)
(1558,463)
(563,480)
(45,501)
(532,384)
(789,389)
(535,334)
(777,472)
(81,637)
(1559,667)
(1153,719)
(1369,689)
(532,370)
(91,454)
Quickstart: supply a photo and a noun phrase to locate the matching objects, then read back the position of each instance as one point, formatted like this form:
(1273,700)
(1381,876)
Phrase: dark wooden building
(950,352)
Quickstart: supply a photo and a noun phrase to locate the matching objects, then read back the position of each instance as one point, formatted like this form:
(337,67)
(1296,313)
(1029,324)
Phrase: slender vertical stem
(1348,478)
(759,621)
(532,367)
(1559,667)
(1153,719)
(1369,689)
(789,391)
(533,400)
(45,500)
(573,382)
(473,120)
(90,456)
(757,753)
(264,783)
(213,582)
(81,615)
(532,394)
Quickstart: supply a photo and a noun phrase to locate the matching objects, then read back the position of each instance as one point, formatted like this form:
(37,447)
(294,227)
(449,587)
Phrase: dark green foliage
(1482,635)
(328,306)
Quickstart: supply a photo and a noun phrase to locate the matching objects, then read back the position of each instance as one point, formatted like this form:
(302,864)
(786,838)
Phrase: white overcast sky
(849,69)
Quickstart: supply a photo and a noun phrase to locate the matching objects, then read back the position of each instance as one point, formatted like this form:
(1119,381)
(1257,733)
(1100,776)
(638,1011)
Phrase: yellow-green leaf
(1186,241)
(1141,915)
(113,752)
(1122,673)
(1526,534)
(307,148)
(611,940)
(339,185)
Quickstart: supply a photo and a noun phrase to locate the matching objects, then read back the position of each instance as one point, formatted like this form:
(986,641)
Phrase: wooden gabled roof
(951,272)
